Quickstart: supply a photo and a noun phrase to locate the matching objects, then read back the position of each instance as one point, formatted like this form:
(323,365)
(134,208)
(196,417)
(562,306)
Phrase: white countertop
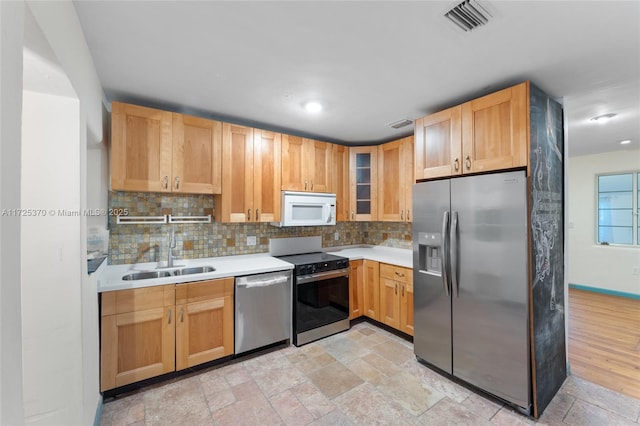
(110,277)
(394,256)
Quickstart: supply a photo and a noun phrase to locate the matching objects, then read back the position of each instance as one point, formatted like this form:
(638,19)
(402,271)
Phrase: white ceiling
(369,63)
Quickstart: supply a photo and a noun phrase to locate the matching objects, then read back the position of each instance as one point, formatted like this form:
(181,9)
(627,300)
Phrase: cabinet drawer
(123,301)
(203,290)
(396,273)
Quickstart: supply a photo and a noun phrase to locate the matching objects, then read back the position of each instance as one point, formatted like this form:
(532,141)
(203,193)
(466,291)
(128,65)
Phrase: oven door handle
(322,276)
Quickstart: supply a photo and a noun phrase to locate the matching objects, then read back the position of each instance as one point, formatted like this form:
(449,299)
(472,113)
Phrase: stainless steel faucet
(172,245)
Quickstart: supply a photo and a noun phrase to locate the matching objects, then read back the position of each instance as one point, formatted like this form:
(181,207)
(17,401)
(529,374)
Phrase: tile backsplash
(149,242)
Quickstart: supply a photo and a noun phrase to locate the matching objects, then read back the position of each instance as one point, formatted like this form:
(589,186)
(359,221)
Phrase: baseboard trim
(96,420)
(605,291)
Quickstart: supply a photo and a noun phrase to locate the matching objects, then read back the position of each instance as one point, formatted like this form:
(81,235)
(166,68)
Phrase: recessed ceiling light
(601,119)
(313,106)
(625,142)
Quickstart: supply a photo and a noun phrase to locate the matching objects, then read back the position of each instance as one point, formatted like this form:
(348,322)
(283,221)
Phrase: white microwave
(307,209)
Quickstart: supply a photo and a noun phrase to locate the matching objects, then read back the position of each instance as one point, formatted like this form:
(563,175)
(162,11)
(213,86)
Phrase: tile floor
(365,376)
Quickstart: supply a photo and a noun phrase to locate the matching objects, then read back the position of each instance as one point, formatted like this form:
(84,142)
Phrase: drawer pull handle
(400,274)
(181,314)
(467,162)
(396,290)
(456,164)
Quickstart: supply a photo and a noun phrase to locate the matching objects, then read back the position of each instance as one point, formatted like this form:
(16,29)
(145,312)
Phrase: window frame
(635,208)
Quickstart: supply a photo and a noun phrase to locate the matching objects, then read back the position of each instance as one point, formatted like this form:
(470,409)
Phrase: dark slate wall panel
(546,160)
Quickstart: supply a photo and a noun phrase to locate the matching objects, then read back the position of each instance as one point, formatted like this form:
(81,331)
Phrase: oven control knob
(313,269)
(302,270)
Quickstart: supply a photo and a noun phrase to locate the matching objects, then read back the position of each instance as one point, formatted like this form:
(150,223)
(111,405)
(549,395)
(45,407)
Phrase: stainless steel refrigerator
(471,294)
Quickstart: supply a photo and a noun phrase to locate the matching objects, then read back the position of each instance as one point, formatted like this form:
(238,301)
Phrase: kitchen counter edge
(110,278)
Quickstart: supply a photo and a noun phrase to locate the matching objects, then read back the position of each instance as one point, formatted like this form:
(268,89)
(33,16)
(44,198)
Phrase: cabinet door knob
(177,182)
(467,162)
(456,164)
(165,182)
(248,214)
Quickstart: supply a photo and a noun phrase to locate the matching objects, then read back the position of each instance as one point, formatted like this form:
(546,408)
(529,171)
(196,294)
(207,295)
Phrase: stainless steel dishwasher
(262,310)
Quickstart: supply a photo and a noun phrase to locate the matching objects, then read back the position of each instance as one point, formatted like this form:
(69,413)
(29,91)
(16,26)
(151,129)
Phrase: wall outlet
(336,236)
(251,240)
(635,271)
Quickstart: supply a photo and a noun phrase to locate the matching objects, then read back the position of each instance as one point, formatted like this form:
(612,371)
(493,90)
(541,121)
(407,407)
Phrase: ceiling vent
(401,123)
(468,15)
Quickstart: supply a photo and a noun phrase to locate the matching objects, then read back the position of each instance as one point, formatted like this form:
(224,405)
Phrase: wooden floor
(604,340)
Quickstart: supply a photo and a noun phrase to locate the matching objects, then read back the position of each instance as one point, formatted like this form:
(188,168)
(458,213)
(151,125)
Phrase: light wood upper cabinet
(197,155)
(363,165)
(340,184)
(266,176)
(204,322)
(371,288)
(251,179)
(306,164)
(395,180)
(160,151)
(438,144)
(356,289)
(494,130)
(138,335)
(486,134)
(140,148)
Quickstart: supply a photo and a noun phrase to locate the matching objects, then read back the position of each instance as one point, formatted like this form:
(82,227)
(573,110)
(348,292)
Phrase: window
(617,208)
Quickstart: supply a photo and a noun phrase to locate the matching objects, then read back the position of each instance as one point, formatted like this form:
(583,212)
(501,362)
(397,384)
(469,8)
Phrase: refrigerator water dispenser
(430,252)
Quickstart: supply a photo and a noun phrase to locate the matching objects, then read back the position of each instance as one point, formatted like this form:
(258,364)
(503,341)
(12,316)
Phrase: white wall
(62,31)
(51,261)
(11,41)
(590,264)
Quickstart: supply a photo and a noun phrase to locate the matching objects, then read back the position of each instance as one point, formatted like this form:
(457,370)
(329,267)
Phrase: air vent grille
(468,15)
(401,123)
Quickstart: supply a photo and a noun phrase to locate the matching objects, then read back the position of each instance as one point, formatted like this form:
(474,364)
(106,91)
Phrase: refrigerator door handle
(444,252)
(454,254)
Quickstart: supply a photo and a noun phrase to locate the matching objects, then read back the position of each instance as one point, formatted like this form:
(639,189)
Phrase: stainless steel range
(320,288)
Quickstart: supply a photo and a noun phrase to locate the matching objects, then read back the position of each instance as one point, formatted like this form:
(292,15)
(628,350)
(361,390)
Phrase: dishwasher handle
(259,281)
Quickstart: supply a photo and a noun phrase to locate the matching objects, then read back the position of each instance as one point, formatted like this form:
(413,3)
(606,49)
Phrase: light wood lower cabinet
(356,289)
(396,297)
(151,331)
(371,289)
(138,335)
(204,323)
(406,307)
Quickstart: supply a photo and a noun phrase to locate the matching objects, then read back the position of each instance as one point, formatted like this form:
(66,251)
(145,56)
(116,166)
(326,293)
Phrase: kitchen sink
(146,275)
(196,270)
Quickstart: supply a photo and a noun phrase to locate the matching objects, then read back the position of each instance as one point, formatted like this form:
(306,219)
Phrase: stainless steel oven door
(321,305)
